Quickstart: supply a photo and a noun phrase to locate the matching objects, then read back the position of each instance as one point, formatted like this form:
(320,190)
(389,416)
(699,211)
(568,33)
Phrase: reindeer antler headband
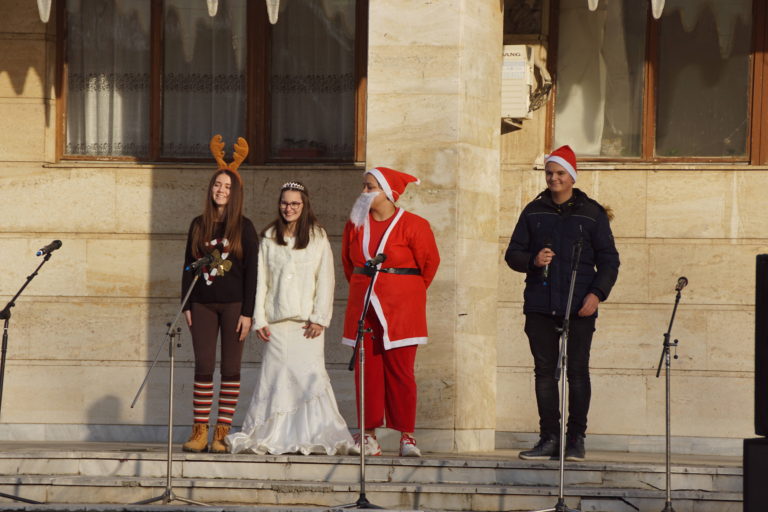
(238,157)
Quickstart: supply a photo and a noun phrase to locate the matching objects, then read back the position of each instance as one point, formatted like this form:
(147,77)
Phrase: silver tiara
(292,185)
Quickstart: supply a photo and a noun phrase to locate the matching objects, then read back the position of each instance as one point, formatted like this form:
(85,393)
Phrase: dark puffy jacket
(543,222)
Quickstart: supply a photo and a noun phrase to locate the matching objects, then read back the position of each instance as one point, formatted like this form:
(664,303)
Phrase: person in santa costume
(397,314)
(542,246)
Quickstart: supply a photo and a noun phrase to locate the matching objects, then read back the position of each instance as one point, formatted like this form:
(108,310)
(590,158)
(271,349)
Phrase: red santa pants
(390,385)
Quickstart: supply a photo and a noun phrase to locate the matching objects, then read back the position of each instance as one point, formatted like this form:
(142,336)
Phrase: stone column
(434,111)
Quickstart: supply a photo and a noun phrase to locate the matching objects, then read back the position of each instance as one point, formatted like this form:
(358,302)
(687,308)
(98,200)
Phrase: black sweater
(238,284)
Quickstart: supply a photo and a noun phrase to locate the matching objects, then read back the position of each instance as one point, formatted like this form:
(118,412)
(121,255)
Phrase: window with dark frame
(153,80)
(632,87)
(523,17)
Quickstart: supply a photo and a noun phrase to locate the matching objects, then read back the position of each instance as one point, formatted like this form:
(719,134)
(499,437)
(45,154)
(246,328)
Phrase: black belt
(369,271)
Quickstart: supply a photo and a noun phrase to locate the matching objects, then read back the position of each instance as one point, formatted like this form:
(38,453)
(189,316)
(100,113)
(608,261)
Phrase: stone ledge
(715,446)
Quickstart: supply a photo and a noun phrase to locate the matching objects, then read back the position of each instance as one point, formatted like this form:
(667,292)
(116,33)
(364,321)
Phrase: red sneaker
(372,447)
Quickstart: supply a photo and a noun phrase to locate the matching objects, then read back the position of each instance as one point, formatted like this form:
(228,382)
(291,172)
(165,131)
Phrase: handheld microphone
(205,260)
(378,260)
(682,282)
(48,249)
(545,272)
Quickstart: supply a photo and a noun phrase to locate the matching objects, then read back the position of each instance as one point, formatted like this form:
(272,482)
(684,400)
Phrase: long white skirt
(293,408)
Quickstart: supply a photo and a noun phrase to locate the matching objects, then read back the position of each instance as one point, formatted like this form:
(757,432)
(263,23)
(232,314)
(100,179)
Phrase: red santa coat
(399,301)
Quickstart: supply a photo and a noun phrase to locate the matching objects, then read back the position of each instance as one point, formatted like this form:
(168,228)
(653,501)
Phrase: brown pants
(208,321)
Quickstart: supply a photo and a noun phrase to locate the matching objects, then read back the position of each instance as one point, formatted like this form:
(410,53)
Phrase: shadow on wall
(29,50)
(27,62)
(106,410)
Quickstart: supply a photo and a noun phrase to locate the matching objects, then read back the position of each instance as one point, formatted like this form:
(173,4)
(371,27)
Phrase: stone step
(104,475)
(445,497)
(427,470)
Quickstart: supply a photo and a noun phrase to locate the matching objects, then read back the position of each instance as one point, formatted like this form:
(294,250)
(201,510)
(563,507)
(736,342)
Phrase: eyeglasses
(295,205)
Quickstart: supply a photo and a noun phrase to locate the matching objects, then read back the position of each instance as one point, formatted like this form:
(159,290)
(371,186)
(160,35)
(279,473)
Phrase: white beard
(361,208)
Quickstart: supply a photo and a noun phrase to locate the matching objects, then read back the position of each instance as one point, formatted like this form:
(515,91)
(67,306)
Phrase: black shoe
(546,449)
(574,449)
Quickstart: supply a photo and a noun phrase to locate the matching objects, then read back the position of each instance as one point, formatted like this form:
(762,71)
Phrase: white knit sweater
(294,284)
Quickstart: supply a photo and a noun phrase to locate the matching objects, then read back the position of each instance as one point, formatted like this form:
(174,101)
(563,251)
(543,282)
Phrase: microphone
(48,249)
(545,272)
(576,254)
(205,260)
(681,283)
(378,260)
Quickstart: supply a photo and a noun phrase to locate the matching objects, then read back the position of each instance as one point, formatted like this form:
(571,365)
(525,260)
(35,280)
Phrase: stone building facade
(84,332)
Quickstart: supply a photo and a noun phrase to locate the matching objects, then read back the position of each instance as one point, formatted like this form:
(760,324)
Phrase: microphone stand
(665,359)
(359,350)
(561,374)
(5,315)
(168,495)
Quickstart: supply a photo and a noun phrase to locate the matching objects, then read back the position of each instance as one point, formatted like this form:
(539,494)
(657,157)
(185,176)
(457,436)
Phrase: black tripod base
(362,502)
(668,507)
(18,498)
(559,507)
(169,496)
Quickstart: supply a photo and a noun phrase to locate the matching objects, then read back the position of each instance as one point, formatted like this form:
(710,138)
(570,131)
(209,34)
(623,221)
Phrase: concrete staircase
(100,473)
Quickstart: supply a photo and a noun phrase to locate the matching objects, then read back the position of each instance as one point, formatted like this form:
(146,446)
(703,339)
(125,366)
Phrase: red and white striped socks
(202,400)
(228,395)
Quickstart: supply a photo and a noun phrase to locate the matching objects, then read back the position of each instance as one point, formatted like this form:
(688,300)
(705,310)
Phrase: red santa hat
(564,156)
(392,182)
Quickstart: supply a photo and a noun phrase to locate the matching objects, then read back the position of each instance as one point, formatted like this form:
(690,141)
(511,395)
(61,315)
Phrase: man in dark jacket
(542,245)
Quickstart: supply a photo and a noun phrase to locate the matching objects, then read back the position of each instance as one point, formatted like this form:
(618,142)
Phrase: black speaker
(755,471)
(761,346)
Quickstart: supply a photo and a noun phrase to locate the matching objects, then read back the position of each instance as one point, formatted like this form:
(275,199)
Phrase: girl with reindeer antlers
(223,301)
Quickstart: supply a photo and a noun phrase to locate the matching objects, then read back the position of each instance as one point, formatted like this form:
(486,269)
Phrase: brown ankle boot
(198,441)
(218,445)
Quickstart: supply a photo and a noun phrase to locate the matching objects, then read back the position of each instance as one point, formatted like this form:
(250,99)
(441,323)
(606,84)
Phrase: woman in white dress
(293,408)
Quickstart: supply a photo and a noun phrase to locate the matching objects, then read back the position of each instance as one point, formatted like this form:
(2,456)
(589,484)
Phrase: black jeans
(544,340)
